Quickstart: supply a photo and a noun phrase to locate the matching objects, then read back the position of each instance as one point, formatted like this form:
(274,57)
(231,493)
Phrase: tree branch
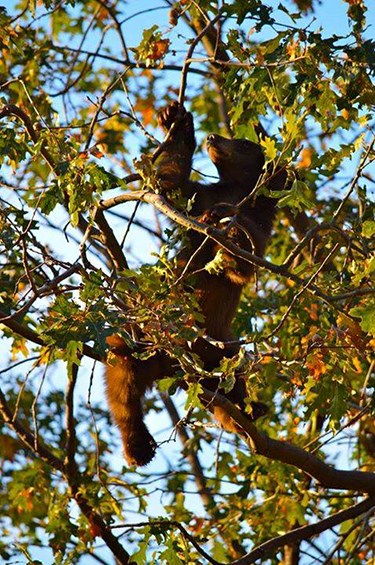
(187,61)
(304,532)
(26,437)
(217,235)
(261,444)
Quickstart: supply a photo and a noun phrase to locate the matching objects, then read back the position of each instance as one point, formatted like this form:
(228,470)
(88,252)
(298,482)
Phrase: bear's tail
(125,390)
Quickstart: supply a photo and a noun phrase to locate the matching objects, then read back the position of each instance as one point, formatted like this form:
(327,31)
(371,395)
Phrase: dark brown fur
(240,164)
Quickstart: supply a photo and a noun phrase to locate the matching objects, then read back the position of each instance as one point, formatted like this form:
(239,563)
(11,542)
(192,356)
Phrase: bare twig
(362,164)
(131,64)
(301,291)
(187,61)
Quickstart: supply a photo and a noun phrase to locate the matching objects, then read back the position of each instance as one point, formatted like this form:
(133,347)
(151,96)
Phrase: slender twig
(204,491)
(117,24)
(344,536)
(172,524)
(131,64)
(187,61)
(362,164)
(300,292)
(310,235)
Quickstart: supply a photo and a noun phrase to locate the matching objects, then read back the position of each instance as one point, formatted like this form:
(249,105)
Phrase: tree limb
(262,444)
(304,532)
(220,237)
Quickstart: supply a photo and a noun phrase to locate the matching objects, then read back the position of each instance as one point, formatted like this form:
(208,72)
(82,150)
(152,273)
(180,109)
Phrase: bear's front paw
(168,115)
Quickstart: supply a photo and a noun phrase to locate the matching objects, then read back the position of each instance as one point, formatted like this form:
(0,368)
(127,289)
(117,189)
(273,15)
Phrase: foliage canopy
(84,232)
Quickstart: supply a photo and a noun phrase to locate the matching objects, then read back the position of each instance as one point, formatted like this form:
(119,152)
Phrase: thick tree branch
(71,467)
(283,451)
(220,237)
(305,532)
(110,242)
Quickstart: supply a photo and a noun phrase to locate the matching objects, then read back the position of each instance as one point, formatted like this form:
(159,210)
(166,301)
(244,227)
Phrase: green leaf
(216,266)
(192,397)
(368,228)
(339,404)
(140,556)
(170,556)
(295,197)
(165,385)
(366,312)
(72,355)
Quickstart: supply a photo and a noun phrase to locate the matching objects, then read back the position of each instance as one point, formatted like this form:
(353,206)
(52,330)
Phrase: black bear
(240,164)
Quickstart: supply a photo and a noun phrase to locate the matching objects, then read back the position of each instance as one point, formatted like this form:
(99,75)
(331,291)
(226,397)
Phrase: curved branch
(286,452)
(217,235)
(128,63)
(190,52)
(304,532)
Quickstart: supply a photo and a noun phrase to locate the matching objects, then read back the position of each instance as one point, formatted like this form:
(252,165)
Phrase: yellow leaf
(269,146)
(345,113)
(305,161)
